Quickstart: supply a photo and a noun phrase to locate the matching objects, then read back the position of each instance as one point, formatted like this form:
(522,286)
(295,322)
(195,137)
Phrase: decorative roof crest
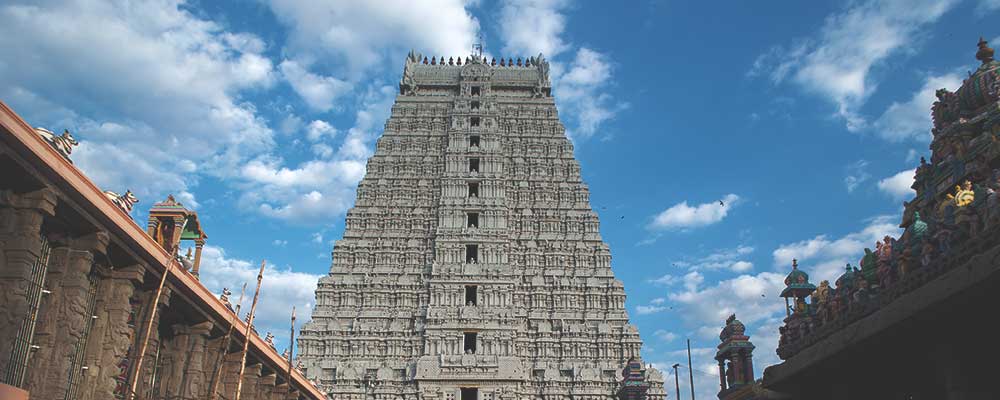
(985,53)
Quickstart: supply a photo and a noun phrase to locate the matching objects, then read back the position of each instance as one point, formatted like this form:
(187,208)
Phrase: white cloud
(317,190)
(319,92)
(665,335)
(912,119)
(155,89)
(187,198)
(279,242)
(824,258)
(530,27)
(721,259)
(985,6)
(318,129)
(281,289)
(582,92)
(857,173)
(362,35)
(751,297)
(648,309)
(683,216)
(898,186)
(838,62)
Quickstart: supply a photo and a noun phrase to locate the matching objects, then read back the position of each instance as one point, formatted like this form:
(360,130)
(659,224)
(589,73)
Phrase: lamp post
(677,382)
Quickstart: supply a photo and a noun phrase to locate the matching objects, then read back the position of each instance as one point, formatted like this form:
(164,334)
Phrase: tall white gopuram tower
(472,266)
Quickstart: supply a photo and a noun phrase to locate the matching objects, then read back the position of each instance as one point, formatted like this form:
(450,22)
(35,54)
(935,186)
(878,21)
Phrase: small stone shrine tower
(634,385)
(735,357)
(170,223)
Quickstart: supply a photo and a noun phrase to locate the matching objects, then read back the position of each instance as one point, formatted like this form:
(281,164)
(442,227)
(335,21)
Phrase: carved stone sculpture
(122,201)
(64,143)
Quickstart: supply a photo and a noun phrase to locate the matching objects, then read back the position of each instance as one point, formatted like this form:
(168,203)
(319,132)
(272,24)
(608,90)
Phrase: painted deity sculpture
(869,265)
(965,214)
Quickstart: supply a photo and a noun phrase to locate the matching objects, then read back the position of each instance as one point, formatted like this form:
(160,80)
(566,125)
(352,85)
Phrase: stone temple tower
(471,267)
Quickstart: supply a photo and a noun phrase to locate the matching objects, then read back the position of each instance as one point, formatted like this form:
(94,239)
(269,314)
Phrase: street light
(677,382)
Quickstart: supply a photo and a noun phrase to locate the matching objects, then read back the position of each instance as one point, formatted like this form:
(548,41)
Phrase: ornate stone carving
(64,143)
(122,201)
(438,282)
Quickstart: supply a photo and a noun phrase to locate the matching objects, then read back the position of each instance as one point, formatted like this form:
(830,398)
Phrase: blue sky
(806,118)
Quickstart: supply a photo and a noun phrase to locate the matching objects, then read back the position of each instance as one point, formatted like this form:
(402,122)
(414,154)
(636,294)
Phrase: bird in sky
(721,203)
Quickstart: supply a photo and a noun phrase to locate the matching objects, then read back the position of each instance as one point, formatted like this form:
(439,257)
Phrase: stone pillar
(722,375)
(229,375)
(111,334)
(198,372)
(65,318)
(748,375)
(737,368)
(149,377)
(21,247)
(251,379)
(265,386)
(198,245)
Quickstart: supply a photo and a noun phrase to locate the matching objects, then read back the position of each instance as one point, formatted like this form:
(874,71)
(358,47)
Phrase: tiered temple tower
(471,267)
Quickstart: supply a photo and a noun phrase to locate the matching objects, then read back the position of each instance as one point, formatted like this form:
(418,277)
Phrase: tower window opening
(474,121)
(473,165)
(472,220)
(473,141)
(470,394)
(470,295)
(473,189)
(474,105)
(470,348)
(476,90)
(472,254)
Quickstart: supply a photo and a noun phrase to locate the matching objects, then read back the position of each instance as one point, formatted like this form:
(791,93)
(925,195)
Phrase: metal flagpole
(291,351)
(246,336)
(690,370)
(225,346)
(149,326)
(677,382)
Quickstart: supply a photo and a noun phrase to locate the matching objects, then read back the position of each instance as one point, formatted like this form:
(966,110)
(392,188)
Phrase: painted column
(198,245)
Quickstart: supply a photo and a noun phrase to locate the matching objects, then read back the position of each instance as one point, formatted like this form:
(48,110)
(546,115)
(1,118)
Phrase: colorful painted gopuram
(908,321)
(83,312)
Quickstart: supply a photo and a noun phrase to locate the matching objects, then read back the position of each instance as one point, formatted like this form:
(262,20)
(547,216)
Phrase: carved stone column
(748,367)
(197,373)
(149,377)
(21,246)
(198,245)
(173,358)
(737,366)
(265,386)
(111,334)
(722,375)
(251,379)
(230,375)
(66,319)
